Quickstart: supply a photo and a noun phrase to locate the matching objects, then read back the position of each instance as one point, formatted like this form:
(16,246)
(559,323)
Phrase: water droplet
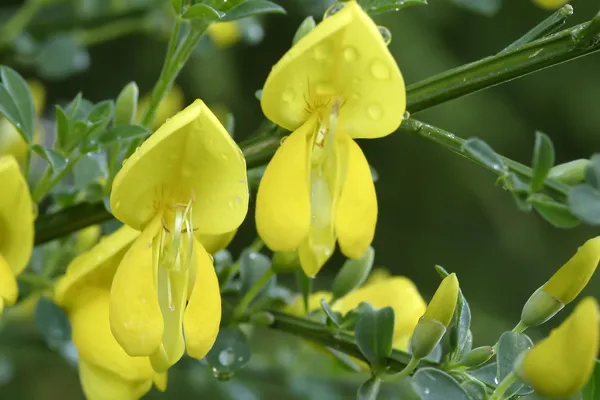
(282,140)
(118,204)
(227,357)
(385,34)
(332,10)
(288,95)
(321,52)
(406,115)
(325,89)
(375,111)
(172,307)
(222,376)
(350,54)
(224,156)
(124,161)
(380,71)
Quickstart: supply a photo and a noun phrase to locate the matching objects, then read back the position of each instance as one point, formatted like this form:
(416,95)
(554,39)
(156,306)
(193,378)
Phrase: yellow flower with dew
(188,178)
(172,103)
(224,34)
(106,370)
(16,228)
(397,292)
(564,286)
(550,4)
(561,364)
(11,141)
(337,84)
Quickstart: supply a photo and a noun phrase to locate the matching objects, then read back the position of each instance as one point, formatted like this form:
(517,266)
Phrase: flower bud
(561,364)
(570,173)
(263,318)
(477,356)
(126,104)
(431,327)
(306,26)
(549,4)
(563,286)
(352,274)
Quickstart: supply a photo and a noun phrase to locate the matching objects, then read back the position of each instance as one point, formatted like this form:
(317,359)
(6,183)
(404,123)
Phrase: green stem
(110,31)
(544,28)
(243,305)
(35,280)
(455,144)
(49,179)
(503,386)
(520,327)
(407,371)
(18,22)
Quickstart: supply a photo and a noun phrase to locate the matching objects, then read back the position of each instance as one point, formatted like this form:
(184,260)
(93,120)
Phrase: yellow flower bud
(442,305)
(562,363)
(549,4)
(224,34)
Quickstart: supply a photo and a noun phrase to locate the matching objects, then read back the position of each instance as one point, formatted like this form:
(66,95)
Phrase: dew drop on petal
(282,140)
(224,157)
(350,54)
(321,53)
(288,95)
(385,34)
(332,10)
(379,70)
(406,115)
(375,111)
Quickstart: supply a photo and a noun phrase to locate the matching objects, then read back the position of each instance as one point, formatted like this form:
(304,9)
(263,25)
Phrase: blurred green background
(435,207)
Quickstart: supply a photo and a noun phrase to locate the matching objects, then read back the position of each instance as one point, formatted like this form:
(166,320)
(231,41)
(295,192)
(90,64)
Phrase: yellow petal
(314,303)
(225,34)
(94,268)
(214,243)
(572,277)
(397,292)
(345,55)
(356,213)
(95,343)
(16,216)
(562,363)
(283,198)
(135,318)
(160,381)
(203,313)
(190,157)
(99,384)
(442,305)
(38,93)
(8,284)
(11,142)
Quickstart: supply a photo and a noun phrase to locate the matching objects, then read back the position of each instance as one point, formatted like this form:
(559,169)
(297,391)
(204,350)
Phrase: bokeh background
(435,207)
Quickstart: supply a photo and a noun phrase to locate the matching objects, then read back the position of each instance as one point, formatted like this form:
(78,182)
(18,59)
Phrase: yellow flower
(442,305)
(397,292)
(189,176)
(11,141)
(224,34)
(88,237)
(563,362)
(105,370)
(172,103)
(550,4)
(16,228)
(338,83)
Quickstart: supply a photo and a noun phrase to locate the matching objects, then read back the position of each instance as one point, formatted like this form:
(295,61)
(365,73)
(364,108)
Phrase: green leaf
(56,161)
(230,353)
(62,127)
(434,384)
(333,316)
(202,11)
(584,203)
(543,160)
(570,173)
(374,7)
(374,333)
(9,109)
(510,345)
(369,389)
(19,91)
(486,374)
(60,56)
(592,171)
(122,133)
(305,27)
(485,7)
(252,7)
(127,104)
(253,265)
(482,152)
(304,286)
(89,169)
(556,213)
(351,318)
(591,391)
(353,274)
(475,390)
(52,322)
(101,112)
(176,6)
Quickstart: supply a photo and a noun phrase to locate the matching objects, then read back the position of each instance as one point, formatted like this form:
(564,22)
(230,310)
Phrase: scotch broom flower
(562,363)
(16,228)
(338,83)
(224,34)
(188,177)
(564,286)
